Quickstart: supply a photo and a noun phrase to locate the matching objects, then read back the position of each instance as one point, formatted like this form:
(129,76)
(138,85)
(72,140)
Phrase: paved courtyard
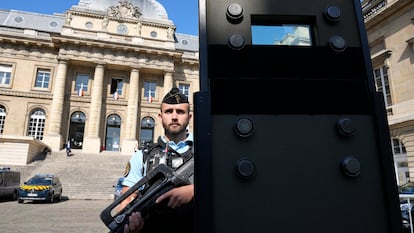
(67,216)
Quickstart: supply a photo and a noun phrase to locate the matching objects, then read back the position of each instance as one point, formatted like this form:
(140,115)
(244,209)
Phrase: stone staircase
(83,176)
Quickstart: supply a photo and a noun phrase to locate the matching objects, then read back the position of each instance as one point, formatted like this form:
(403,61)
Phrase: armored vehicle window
(286,34)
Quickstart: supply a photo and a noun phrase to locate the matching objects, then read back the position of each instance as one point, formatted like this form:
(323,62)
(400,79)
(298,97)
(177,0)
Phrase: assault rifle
(149,188)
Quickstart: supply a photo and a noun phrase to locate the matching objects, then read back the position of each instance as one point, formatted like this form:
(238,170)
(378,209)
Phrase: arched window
(78,117)
(76,129)
(147,130)
(113,133)
(2,118)
(36,125)
(114,120)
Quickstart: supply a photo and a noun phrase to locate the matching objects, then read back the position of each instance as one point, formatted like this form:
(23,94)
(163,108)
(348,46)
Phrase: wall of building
(390,31)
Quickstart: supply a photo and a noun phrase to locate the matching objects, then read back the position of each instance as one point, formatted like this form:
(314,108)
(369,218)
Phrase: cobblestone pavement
(67,216)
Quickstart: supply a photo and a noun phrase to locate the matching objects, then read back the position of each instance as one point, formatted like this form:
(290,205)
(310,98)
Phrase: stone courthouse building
(390,30)
(94,75)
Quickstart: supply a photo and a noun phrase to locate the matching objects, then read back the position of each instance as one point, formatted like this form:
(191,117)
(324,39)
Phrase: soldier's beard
(176,132)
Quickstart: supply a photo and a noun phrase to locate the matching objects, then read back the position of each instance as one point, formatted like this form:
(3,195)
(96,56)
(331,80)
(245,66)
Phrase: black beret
(175,97)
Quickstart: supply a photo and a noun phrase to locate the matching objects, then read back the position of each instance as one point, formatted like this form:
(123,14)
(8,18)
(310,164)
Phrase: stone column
(54,137)
(130,140)
(92,141)
(168,82)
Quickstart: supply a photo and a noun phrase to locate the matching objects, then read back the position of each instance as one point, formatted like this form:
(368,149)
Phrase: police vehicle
(41,187)
(9,183)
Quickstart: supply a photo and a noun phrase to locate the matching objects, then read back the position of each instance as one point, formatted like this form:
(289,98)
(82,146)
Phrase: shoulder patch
(127,169)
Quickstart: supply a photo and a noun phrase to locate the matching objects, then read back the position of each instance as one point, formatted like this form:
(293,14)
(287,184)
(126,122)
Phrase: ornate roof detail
(127,9)
(124,9)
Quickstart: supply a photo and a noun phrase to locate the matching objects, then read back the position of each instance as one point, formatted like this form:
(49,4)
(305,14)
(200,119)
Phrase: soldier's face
(175,117)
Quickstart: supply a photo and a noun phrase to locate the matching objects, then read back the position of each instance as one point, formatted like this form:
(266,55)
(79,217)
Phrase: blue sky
(184,13)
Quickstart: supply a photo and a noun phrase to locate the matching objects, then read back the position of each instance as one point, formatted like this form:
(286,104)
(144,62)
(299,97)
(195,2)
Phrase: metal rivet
(234,13)
(332,13)
(337,43)
(244,168)
(236,41)
(345,127)
(243,127)
(351,166)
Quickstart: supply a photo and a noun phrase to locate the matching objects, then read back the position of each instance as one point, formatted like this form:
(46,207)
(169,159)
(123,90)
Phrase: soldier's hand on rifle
(135,224)
(178,196)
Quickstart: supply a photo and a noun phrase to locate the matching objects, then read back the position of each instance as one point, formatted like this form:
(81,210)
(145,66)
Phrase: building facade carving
(125,9)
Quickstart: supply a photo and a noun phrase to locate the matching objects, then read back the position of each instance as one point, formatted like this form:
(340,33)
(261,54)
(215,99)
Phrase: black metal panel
(290,138)
(285,62)
(288,96)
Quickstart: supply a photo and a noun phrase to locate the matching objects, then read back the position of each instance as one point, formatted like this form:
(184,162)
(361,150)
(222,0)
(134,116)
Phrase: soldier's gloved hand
(135,224)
